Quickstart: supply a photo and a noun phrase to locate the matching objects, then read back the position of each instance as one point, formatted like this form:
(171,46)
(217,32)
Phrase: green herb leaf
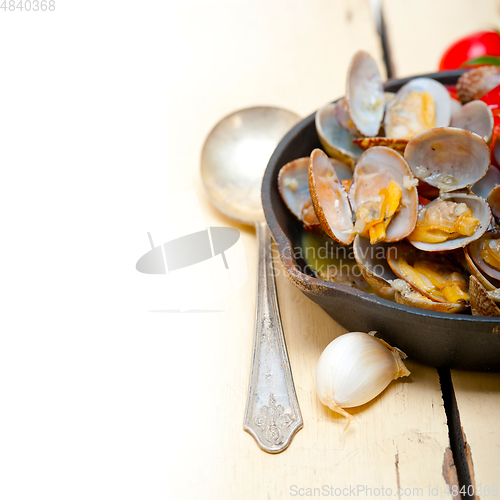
(490,60)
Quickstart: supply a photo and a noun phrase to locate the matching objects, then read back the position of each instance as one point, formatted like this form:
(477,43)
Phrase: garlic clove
(354,369)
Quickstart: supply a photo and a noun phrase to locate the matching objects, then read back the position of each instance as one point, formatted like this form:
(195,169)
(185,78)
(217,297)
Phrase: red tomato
(482,43)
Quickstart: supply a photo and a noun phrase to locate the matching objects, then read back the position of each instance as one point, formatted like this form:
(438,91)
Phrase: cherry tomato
(470,47)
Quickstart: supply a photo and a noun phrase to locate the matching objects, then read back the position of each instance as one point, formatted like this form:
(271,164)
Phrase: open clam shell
(407,295)
(365,94)
(480,302)
(483,188)
(448,158)
(293,186)
(455,106)
(407,262)
(376,168)
(372,262)
(344,118)
(477,82)
(410,112)
(475,116)
(336,140)
(329,198)
(494,197)
(480,210)
(488,275)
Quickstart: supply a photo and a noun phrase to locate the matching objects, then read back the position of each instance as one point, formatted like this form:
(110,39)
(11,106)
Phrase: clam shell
(344,118)
(329,198)
(448,158)
(365,94)
(334,138)
(494,196)
(480,302)
(480,210)
(401,122)
(349,276)
(413,255)
(388,97)
(495,150)
(293,186)
(373,264)
(477,82)
(483,186)
(365,143)
(407,295)
(487,275)
(475,116)
(455,105)
(374,171)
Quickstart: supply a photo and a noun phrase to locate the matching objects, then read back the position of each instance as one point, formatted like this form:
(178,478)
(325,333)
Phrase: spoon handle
(272,414)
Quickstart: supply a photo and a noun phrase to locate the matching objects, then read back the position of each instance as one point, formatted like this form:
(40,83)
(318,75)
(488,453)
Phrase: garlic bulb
(355,368)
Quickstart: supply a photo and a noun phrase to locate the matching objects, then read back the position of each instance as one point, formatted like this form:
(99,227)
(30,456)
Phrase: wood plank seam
(378,14)
(462,455)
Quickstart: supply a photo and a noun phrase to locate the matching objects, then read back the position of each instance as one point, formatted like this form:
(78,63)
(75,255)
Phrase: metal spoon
(233,160)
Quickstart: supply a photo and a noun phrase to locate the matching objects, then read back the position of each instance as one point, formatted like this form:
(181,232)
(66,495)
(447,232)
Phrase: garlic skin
(355,368)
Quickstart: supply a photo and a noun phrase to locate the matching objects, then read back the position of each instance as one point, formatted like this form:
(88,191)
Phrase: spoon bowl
(235,155)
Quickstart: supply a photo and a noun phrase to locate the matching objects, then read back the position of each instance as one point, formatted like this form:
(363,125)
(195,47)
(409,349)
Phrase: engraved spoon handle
(272,414)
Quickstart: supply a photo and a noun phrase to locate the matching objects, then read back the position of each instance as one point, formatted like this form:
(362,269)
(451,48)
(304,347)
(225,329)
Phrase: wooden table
(112,399)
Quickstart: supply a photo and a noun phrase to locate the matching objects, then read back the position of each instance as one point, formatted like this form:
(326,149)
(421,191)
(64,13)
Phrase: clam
(483,259)
(365,94)
(477,82)
(383,196)
(480,300)
(495,150)
(483,188)
(455,105)
(329,198)
(448,158)
(494,196)
(372,262)
(388,97)
(293,185)
(419,105)
(451,221)
(344,118)
(475,116)
(345,275)
(294,190)
(432,275)
(334,138)
(407,295)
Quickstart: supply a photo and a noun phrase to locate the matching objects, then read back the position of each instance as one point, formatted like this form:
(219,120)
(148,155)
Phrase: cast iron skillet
(438,339)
